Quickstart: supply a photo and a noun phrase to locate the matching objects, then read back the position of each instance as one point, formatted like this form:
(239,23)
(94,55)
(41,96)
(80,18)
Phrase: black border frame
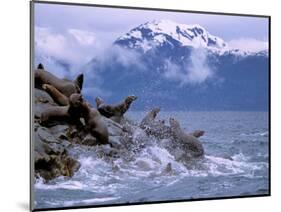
(31,22)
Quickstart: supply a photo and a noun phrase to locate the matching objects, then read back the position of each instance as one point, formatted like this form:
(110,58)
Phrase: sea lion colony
(92,125)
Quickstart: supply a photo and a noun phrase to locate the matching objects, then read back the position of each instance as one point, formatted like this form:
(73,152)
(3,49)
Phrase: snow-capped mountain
(167,33)
(164,62)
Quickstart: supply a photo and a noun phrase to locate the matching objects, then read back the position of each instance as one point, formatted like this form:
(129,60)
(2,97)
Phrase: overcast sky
(119,21)
(86,30)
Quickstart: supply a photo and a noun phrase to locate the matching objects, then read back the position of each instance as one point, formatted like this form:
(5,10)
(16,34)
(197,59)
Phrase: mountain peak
(160,32)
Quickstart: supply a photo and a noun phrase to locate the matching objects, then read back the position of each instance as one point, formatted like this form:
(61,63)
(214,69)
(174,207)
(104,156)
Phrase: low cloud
(195,70)
(85,38)
(248,44)
(67,54)
(73,46)
(105,62)
(109,58)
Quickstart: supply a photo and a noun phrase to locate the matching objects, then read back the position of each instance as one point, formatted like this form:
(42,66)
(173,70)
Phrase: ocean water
(235,164)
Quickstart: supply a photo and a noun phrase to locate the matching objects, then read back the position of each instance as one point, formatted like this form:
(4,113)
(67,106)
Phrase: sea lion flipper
(40,66)
(79,81)
(99,101)
(57,96)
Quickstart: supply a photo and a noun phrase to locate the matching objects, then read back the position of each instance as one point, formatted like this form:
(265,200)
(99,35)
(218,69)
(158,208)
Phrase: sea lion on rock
(70,113)
(95,123)
(65,86)
(115,112)
(188,141)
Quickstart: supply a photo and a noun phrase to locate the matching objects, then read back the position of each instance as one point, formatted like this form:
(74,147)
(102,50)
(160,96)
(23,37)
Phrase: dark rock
(51,157)
(89,140)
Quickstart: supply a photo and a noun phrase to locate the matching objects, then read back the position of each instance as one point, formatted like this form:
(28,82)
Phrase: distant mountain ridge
(165,32)
(179,67)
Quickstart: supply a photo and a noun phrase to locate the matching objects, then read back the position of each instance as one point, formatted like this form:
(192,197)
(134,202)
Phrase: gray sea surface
(235,164)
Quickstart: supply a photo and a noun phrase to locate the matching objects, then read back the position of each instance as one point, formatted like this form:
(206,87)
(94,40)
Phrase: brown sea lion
(70,113)
(65,86)
(190,142)
(154,127)
(150,117)
(95,123)
(115,112)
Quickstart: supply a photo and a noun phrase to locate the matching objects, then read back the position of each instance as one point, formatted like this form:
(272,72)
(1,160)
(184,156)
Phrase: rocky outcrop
(51,157)
(54,138)
(53,142)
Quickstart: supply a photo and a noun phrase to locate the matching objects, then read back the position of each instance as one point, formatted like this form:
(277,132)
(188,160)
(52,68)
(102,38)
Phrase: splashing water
(236,163)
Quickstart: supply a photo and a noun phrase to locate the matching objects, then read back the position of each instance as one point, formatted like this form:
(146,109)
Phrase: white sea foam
(221,166)
(69,184)
(240,157)
(89,201)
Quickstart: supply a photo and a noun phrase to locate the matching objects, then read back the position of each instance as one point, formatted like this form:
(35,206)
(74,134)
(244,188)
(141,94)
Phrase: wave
(68,184)
(154,163)
(256,133)
(147,167)
(82,202)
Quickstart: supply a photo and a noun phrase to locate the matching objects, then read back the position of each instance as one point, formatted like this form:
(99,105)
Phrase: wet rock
(51,158)
(42,97)
(89,140)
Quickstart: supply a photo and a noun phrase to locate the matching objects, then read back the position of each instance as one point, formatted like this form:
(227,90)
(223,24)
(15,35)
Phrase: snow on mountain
(165,32)
(154,33)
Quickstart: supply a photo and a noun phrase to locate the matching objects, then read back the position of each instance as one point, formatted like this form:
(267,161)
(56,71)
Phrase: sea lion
(115,112)
(168,169)
(70,113)
(190,142)
(95,123)
(150,117)
(157,128)
(65,86)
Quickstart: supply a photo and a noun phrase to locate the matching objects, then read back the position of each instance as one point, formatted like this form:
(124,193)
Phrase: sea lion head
(99,101)
(40,66)
(76,100)
(174,123)
(130,99)
(198,133)
(79,82)
(155,111)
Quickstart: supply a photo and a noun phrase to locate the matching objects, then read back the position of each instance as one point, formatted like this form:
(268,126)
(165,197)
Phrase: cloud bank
(195,71)
(73,45)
